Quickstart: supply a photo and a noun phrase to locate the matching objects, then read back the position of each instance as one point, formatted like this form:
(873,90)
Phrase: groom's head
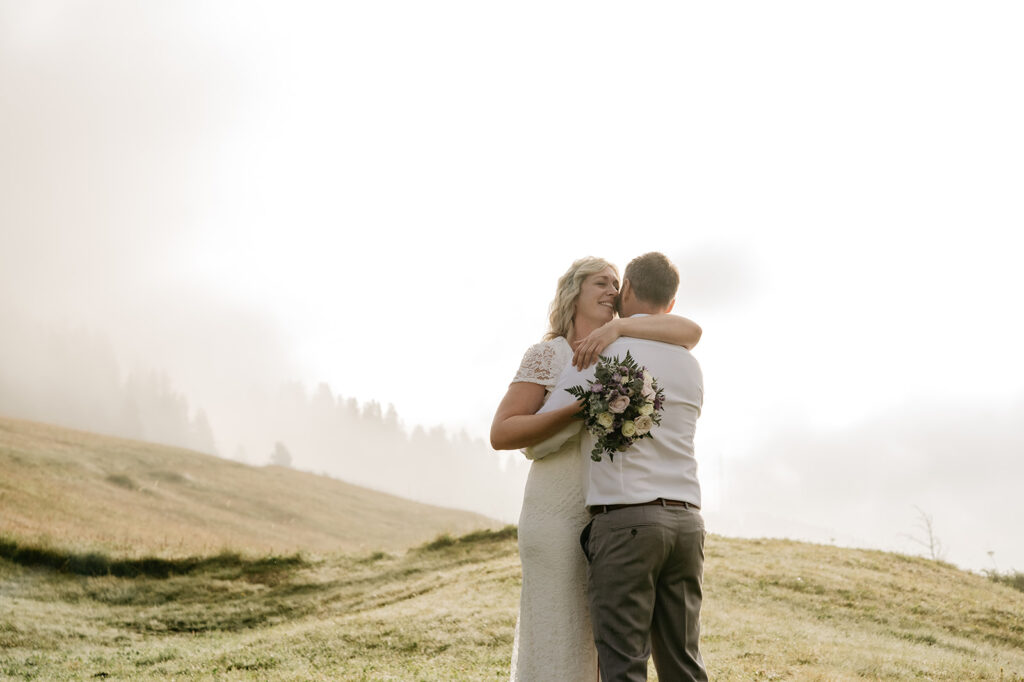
(649,285)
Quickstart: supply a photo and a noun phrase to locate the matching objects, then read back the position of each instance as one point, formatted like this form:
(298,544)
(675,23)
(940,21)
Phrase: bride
(553,639)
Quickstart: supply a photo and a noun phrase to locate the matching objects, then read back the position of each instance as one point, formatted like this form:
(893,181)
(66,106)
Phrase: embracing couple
(613,550)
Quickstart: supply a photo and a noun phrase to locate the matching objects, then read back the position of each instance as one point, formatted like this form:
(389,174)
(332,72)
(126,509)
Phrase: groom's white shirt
(663,466)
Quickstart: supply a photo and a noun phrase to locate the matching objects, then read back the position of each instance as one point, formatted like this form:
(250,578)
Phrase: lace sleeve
(543,363)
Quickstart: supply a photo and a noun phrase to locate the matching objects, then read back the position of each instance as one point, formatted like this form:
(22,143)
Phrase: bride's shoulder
(544,361)
(553,349)
(550,345)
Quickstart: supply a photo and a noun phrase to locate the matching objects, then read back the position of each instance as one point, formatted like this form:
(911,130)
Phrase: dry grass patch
(89,493)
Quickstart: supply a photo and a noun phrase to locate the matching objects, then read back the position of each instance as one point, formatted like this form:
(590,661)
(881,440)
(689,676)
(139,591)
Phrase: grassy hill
(774,610)
(81,491)
(111,567)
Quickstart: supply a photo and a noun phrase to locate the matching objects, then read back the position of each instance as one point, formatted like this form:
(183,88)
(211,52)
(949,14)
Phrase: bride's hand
(588,349)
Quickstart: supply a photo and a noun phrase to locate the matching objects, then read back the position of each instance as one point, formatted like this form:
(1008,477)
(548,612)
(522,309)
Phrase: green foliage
(1014,579)
(620,405)
(440,542)
(486,535)
(97,563)
(168,477)
(122,481)
(476,537)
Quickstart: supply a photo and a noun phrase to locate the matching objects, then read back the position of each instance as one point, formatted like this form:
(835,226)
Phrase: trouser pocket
(585,539)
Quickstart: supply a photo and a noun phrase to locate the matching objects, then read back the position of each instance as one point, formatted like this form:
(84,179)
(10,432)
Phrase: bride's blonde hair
(564,305)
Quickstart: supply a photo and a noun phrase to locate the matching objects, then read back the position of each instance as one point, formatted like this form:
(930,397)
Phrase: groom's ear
(671,304)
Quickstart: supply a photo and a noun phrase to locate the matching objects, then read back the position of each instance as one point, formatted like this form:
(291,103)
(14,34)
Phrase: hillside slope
(774,610)
(82,491)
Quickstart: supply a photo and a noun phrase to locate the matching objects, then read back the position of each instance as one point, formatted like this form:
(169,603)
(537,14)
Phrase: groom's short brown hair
(653,277)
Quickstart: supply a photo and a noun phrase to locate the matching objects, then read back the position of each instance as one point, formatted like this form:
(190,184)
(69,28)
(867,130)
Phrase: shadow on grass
(97,563)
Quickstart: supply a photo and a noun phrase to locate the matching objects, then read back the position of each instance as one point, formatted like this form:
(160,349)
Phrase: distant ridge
(82,491)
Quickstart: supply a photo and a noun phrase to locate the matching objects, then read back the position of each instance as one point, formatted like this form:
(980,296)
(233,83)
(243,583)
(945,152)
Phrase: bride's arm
(674,329)
(516,422)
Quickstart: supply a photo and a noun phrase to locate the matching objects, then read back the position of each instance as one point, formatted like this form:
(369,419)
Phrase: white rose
(628,428)
(643,424)
(606,419)
(619,405)
(646,408)
(648,389)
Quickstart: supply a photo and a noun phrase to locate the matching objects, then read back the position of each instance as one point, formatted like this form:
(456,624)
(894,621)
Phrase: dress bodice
(556,482)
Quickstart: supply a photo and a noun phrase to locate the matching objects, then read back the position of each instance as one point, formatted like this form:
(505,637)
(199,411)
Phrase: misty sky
(382,195)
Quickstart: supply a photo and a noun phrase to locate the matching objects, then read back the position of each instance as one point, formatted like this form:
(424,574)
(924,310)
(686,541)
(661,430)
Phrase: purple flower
(596,388)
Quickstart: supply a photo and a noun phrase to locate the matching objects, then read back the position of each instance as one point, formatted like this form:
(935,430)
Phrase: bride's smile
(596,302)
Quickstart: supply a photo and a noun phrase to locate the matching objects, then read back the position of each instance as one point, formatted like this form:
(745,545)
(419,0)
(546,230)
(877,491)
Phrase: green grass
(445,610)
(113,566)
(1014,579)
(347,617)
(445,540)
(97,563)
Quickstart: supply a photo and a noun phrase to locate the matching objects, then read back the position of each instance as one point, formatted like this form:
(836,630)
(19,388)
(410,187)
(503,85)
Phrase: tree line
(72,378)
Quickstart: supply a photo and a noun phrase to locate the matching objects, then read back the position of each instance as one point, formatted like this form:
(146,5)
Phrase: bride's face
(597,296)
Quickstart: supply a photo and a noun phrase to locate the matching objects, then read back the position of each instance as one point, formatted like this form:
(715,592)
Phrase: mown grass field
(77,603)
(774,610)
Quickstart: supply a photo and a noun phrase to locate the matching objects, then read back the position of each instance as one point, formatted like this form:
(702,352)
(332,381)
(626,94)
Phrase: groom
(645,542)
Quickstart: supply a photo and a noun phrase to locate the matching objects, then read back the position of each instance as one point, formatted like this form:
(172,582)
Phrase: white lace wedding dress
(554,640)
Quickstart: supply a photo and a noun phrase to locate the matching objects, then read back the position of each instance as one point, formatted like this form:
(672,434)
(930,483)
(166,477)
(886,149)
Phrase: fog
(113,117)
(338,227)
(870,484)
(72,377)
(879,483)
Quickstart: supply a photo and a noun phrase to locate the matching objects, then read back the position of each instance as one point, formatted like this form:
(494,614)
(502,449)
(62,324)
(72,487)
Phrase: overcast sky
(382,195)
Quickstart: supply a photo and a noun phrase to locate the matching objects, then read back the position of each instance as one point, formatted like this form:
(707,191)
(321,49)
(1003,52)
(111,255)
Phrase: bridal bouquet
(620,406)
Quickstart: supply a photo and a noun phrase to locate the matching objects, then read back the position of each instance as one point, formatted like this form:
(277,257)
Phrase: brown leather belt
(660,502)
